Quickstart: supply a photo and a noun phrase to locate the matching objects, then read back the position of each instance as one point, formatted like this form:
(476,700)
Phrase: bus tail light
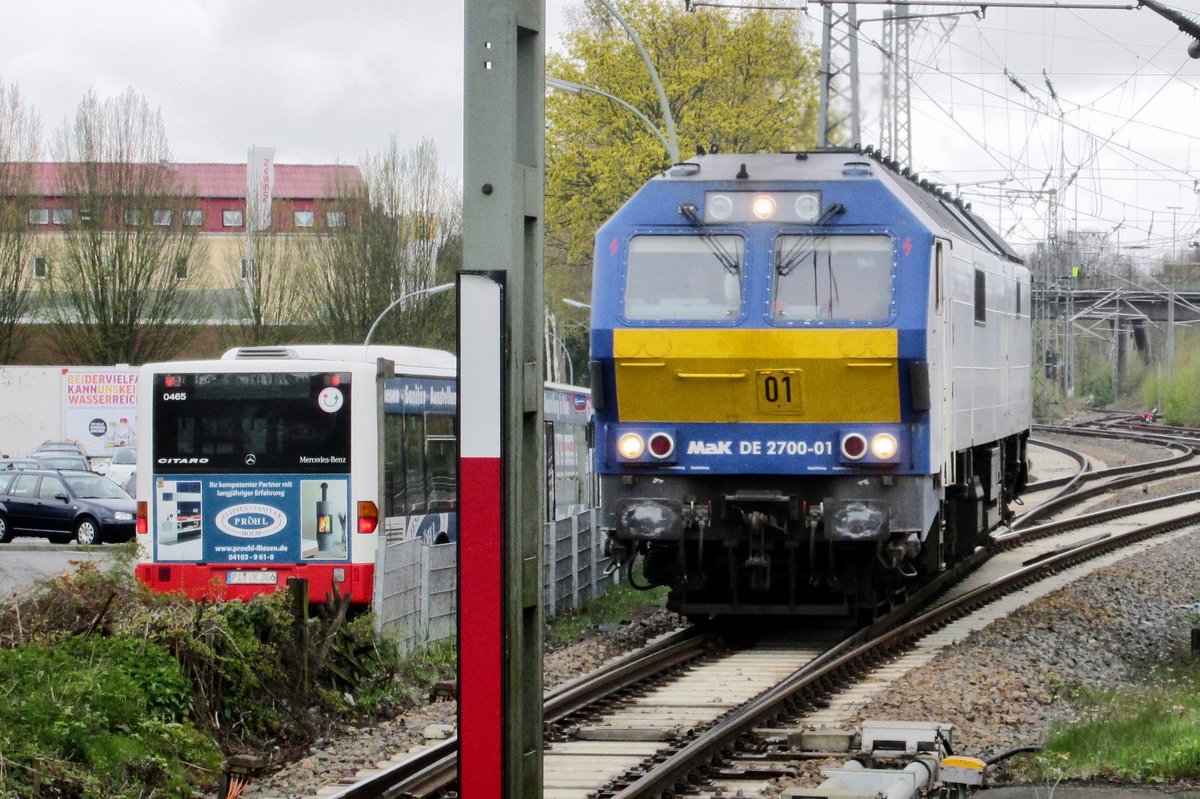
(143,524)
(368,516)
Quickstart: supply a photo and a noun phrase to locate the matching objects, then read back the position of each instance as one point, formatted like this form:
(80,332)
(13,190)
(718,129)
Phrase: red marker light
(169,381)
(854,446)
(661,445)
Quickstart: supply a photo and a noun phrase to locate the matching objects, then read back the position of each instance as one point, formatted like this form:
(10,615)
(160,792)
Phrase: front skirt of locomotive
(810,545)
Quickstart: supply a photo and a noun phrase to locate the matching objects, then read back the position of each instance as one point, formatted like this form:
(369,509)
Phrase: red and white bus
(278,462)
(266,464)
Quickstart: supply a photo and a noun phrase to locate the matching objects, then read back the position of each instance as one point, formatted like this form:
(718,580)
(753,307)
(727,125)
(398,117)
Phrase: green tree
(740,81)
(20,140)
(401,236)
(114,292)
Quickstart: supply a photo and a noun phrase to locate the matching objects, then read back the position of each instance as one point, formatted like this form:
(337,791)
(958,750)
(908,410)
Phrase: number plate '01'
(779,391)
(252,578)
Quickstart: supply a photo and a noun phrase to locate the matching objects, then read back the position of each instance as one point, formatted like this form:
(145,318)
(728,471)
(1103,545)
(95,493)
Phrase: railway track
(606,740)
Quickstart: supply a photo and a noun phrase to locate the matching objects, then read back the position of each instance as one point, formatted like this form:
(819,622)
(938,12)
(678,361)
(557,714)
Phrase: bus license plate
(779,391)
(251,578)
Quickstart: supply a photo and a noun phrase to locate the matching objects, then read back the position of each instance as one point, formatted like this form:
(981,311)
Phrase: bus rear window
(282,422)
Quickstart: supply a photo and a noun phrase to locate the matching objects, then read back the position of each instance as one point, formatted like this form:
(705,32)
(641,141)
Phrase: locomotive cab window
(832,277)
(684,277)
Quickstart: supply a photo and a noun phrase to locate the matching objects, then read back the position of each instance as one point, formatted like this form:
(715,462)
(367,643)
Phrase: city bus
(278,462)
(266,464)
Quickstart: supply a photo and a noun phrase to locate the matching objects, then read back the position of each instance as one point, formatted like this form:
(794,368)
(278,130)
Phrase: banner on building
(260,186)
(99,408)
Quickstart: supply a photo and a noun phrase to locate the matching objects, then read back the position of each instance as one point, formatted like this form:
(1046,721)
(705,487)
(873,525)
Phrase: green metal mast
(504,132)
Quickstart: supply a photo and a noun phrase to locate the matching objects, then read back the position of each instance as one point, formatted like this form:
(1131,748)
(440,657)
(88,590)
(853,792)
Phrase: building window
(980,296)
(39,216)
(181,268)
(335,218)
(162,216)
(62,216)
(193,217)
(85,216)
(41,268)
(133,217)
(231,217)
(304,219)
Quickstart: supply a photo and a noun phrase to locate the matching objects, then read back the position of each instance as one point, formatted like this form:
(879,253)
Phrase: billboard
(99,407)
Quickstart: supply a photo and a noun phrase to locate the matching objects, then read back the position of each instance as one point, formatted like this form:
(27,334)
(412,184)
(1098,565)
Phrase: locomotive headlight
(719,207)
(883,446)
(763,206)
(631,446)
(807,207)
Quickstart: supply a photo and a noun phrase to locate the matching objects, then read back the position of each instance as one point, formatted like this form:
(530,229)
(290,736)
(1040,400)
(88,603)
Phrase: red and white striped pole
(481,503)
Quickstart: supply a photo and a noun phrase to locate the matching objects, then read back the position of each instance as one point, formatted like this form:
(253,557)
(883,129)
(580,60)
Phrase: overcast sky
(327,83)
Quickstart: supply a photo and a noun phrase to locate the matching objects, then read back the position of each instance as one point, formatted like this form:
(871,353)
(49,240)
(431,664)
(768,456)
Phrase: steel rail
(436,768)
(808,684)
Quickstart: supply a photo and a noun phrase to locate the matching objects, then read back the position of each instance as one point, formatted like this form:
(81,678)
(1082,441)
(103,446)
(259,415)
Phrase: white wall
(33,406)
(30,407)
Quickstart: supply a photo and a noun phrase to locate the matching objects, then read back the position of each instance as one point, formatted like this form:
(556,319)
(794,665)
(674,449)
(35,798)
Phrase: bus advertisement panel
(253,469)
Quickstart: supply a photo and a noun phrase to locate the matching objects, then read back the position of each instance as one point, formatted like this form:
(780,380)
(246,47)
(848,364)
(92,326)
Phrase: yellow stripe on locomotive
(756,375)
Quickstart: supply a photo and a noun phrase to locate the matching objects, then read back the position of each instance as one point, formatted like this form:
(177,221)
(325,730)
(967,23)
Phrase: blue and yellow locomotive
(811,377)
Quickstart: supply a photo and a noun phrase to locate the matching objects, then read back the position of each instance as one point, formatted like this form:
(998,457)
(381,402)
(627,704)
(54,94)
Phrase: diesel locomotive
(811,381)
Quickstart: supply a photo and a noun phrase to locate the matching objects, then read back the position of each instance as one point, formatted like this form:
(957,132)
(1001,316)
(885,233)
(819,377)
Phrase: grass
(620,603)
(1147,735)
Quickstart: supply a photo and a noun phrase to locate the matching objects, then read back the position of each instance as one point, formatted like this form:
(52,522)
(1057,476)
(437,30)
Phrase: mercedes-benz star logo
(251,460)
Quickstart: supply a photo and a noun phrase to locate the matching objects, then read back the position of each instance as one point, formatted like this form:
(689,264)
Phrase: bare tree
(266,303)
(401,237)
(115,292)
(20,141)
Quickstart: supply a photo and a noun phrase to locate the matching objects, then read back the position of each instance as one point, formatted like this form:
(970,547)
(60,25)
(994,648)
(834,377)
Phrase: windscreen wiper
(718,250)
(798,253)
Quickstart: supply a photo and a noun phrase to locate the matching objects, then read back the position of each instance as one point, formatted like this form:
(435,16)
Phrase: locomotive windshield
(832,277)
(684,277)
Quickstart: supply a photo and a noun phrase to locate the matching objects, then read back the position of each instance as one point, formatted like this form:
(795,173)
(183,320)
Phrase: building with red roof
(210,199)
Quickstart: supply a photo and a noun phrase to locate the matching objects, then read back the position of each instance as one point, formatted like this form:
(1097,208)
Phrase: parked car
(130,485)
(60,460)
(59,446)
(64,506)
(122,464)
(8,464)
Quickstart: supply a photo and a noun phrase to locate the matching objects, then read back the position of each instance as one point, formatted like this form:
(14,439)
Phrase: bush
(98,717)
(107,688)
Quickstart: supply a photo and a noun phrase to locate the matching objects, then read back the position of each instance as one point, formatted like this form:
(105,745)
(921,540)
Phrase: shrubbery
(110,690)
(98,717)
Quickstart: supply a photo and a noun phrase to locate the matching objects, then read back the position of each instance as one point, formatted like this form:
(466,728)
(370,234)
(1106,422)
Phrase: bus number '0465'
(799,448)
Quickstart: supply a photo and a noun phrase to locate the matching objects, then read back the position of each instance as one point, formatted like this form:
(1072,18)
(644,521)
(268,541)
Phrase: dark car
(64,506)
(7,464)
(60,460)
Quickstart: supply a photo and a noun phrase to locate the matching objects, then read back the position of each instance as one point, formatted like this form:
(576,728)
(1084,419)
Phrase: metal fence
(416,583)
